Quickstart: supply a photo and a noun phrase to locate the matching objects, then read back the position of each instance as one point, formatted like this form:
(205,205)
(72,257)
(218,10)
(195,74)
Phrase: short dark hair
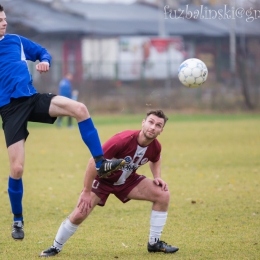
(159,113)
(1,8)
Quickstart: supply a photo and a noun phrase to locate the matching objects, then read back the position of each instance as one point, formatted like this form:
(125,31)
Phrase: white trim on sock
(66,230)
(157,223)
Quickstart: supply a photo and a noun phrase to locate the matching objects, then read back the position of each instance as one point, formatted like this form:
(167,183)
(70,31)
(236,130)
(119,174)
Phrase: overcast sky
(101,1)
(111,1)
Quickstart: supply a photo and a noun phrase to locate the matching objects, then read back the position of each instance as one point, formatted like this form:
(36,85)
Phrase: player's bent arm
(90,175)
(85,201)
(43,66)
(156,171)
(34,51)
(156,168)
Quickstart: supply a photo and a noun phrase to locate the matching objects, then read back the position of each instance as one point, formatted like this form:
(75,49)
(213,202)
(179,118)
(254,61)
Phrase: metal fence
(102,90)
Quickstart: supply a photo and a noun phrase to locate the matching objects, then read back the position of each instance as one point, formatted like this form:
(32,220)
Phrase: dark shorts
(103,188)
(19,111)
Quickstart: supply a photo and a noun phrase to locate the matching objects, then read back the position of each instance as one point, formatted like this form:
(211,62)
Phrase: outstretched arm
(156,171)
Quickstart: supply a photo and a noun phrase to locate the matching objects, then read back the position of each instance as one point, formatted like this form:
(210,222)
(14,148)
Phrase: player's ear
(161,130)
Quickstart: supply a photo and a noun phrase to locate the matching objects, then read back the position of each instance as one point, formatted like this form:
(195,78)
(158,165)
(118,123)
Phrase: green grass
(212,166)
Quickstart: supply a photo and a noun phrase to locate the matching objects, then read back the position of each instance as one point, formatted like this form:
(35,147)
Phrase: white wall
(99,57)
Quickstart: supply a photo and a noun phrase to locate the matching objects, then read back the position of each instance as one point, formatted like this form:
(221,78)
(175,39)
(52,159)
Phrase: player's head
(3,23)
(69,76)
(153,124)
(159,113)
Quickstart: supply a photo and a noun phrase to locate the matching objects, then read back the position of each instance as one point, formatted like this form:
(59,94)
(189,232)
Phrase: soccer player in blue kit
(20,103)
(137,147)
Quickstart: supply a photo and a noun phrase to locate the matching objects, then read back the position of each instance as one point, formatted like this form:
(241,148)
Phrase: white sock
(157,222)
(66,230)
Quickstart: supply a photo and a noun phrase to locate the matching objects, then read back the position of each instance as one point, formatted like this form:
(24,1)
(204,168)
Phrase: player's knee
(164,197)
(16,171)
(167,196)
(78,217)
(81,112)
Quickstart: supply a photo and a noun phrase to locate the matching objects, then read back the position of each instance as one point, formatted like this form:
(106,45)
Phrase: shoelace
(55,248)
(107,166)
(16,228)
(164,243)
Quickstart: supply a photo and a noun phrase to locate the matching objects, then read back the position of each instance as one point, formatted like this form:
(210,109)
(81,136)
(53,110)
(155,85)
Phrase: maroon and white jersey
(124,145)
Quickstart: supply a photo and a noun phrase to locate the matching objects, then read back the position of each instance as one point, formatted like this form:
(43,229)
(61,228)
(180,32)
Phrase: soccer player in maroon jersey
(137,148)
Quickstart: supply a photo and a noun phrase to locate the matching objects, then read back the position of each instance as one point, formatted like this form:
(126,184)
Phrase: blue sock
(15,190)
(90,137)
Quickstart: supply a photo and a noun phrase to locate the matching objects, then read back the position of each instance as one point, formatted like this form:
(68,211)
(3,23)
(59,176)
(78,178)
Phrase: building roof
(41,17)
(135,19)
(115,19)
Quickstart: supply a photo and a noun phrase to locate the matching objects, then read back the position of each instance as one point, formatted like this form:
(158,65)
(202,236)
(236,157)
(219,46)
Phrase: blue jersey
(15,78)
(65,88)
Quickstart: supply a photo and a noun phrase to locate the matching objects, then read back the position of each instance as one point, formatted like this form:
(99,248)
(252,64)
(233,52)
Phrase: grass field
(211,164)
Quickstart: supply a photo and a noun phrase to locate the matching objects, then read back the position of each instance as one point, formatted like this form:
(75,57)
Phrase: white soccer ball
(192,73)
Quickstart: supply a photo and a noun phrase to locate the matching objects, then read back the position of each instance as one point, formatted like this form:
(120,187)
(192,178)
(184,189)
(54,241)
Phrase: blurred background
(124,55)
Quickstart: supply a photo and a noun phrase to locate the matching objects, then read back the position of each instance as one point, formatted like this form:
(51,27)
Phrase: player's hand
(160,182)
(43,66)
(84,203)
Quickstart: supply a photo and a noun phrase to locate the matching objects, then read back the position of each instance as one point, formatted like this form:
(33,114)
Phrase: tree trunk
(243,77)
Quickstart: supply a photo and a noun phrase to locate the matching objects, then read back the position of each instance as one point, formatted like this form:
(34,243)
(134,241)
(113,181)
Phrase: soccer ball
(192,73)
